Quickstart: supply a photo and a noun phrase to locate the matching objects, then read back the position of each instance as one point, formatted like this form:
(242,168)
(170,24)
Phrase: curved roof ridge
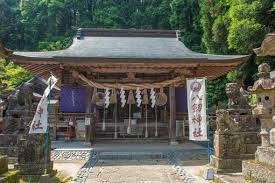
(103,32)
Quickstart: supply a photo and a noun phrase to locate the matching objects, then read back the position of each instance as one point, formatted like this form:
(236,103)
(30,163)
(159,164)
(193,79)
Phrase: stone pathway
(141,163)
(70,155)
(84,172)
(137,171)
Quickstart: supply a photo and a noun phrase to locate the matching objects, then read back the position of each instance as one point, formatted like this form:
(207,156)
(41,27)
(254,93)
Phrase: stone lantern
(262,168)
(272,137)
(264,88)
(272,133)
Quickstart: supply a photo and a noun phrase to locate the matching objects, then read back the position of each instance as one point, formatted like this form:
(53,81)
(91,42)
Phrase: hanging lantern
(113,99)
(98,98)
(161,98)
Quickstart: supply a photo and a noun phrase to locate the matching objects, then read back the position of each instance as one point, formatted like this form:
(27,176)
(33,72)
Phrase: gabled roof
(127,51)
(94,44)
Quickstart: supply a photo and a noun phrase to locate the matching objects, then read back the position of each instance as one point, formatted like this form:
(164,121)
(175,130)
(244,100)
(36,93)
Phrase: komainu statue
(225,123)
(237,133)
(237,96)
(20,108)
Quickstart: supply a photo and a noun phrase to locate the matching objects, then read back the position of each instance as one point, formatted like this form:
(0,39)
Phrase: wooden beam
(157,70)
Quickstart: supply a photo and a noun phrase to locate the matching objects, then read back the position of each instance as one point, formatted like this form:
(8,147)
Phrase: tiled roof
(127,44)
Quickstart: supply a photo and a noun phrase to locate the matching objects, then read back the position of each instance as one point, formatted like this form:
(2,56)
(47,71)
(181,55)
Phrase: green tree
(12,75)
(215,22)
(185,16)
(10,25)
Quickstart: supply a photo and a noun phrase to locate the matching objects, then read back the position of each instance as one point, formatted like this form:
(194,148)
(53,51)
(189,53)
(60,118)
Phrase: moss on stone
(10,177)
(57,178)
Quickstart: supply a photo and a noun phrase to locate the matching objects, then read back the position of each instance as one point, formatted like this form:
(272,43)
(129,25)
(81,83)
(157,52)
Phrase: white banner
(40,120)
(196,99)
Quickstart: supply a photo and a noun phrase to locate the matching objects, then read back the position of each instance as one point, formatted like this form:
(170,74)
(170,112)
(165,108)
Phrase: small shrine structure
(140,73)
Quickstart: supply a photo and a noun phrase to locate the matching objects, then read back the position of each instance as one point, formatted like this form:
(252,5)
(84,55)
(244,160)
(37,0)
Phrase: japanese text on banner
(40,120)
(196,97)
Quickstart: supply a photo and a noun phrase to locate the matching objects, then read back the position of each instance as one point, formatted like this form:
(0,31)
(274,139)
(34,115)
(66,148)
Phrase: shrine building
(125,68)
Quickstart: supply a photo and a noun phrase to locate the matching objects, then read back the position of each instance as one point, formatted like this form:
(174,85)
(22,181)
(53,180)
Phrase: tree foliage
(236,27)
(185,17)
(12,75)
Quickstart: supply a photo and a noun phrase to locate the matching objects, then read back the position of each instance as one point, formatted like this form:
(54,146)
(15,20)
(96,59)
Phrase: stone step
(131,155)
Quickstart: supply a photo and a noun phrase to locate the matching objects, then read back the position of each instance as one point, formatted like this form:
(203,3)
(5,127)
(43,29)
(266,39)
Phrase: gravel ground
(136,171)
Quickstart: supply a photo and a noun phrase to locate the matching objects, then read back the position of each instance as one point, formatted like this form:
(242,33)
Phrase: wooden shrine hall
(122,83)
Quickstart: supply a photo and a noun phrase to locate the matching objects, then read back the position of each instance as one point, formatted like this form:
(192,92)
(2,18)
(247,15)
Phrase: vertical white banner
(40,120)
(196,99)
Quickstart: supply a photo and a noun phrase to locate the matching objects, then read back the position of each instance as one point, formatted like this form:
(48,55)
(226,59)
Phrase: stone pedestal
(234,143)
(262,169)
(230,150)
(32,155)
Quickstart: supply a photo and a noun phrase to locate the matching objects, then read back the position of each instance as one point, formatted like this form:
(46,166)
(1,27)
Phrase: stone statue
(20,108)
(237,133)
(225,123)
(237,97)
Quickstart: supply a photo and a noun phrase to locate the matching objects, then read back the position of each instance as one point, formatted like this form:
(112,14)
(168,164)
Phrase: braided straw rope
(129,86)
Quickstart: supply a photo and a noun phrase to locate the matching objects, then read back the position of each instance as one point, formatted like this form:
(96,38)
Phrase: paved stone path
(140,163)
(70,155)
(136,171)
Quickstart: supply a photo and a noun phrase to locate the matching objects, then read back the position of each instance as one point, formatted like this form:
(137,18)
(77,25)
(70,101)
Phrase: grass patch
(11,176)
(57,178)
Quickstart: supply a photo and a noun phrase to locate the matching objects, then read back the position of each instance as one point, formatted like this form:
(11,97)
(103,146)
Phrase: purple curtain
(73,99)
(181,99)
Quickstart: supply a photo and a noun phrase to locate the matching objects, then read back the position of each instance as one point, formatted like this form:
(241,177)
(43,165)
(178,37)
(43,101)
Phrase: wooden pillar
(172,122)
(55,128)
(115,115)
(88,116)
(93,127)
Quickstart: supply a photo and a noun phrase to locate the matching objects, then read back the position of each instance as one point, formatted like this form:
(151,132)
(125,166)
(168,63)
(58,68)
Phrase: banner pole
(208,124)
(47,131)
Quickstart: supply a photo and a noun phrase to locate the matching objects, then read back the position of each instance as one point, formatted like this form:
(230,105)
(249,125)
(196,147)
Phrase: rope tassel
(156,116)
(145,102)
(130,101)
(103,124)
